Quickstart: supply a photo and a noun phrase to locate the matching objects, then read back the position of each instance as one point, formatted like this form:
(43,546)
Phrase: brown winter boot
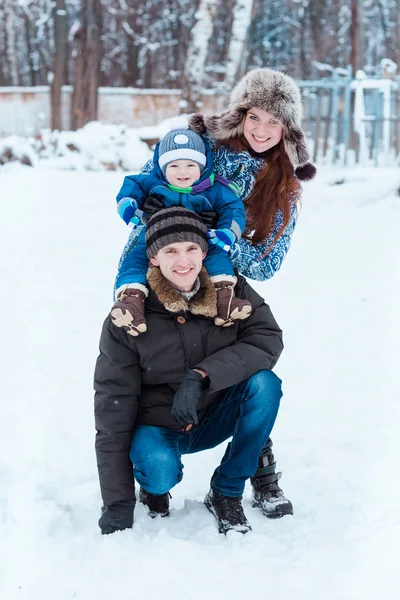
(229,308)
(128,311)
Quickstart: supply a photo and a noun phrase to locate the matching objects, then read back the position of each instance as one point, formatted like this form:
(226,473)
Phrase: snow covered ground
(336,438)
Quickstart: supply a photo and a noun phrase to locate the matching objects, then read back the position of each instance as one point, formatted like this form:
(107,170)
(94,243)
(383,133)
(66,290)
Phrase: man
(183,386)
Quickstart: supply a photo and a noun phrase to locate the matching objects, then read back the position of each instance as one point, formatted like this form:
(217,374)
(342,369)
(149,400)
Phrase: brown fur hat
(275,93)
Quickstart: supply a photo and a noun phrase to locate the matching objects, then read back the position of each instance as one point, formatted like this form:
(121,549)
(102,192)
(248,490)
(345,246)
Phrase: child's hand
(223,238)
(128,211)
(136,219)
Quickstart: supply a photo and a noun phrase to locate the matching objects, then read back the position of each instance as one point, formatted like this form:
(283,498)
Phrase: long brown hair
(276,187)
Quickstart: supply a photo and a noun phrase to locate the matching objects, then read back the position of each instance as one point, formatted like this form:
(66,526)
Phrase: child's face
(182,173)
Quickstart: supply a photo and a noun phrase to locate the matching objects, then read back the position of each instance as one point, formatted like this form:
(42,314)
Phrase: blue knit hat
(181,144)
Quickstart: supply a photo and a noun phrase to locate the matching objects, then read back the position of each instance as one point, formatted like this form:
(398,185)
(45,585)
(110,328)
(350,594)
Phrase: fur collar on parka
(275,93)
(204,303)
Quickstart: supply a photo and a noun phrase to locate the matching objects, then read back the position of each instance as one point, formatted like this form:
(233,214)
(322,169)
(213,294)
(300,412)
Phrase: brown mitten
(229,307)
(128,311)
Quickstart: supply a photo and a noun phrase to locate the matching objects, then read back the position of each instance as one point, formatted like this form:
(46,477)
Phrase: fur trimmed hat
(275,93)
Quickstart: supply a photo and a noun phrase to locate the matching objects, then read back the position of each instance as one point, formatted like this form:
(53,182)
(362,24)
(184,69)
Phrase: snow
(336,438)
(388,65)
(95,147)
(26,89)
(129,91)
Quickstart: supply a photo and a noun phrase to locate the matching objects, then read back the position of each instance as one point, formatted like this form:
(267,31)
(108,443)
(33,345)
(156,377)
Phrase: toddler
(183,176)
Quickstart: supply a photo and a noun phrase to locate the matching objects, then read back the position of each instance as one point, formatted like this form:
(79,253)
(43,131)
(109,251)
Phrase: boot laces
(231,509)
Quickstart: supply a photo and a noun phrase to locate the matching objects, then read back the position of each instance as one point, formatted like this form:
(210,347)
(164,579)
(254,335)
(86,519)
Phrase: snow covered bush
(95,147)
(17,149)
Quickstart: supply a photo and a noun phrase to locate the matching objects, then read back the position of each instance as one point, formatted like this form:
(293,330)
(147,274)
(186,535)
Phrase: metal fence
(352,121)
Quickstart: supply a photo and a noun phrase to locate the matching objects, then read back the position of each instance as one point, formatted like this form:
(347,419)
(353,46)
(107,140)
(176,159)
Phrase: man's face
(180,263)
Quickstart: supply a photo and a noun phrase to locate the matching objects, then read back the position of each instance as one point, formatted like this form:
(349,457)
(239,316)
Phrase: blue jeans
(246,411)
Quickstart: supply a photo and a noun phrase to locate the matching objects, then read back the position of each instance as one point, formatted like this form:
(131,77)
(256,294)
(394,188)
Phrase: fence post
(347,113)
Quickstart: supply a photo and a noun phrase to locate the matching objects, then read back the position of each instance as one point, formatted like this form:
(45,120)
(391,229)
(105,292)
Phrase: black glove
(209,218)
(151,205)
(186,398)
(117,517)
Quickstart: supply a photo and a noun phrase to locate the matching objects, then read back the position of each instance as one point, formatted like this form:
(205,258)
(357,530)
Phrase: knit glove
(223,238)
(117,517)
(185,400)
(129,211)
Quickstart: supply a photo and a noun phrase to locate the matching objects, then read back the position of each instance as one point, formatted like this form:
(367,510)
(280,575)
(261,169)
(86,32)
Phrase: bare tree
(11,46)
(357,35)
(193,77)
(87,65)
(60,39)
(243,11)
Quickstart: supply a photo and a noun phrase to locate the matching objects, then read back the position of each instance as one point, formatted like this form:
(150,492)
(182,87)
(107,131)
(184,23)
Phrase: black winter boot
(228,512)
(267,494)
(117,517)
(157,505)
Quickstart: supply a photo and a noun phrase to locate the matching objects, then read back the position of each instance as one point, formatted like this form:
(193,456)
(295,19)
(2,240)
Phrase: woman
(259,145)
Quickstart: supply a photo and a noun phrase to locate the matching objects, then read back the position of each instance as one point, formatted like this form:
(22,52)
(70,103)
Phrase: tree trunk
(316,10)
(87,65)
(241,21)
(303,61)
(354,52)
(11,50)
(132,24)
(60,34)
(29,51)
(194,72)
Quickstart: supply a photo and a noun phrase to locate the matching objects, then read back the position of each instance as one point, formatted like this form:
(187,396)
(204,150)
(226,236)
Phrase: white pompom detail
(181,139)
(178,123)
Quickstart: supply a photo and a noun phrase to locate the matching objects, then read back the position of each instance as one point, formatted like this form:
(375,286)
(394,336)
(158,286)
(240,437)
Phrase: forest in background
(181,44)
(154,43)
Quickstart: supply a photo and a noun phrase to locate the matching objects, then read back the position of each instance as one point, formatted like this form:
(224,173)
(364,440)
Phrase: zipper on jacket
(184,341)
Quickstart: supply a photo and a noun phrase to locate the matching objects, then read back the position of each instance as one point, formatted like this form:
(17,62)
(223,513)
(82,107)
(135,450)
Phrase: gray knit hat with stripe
(181,144)
(175,224)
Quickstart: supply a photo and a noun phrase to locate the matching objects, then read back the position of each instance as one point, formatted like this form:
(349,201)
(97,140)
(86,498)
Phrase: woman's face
(261,130)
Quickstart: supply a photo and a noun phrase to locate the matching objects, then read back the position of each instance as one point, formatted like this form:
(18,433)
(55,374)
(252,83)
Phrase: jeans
(247,411)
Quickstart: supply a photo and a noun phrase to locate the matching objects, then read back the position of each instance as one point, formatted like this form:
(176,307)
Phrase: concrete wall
(26,110)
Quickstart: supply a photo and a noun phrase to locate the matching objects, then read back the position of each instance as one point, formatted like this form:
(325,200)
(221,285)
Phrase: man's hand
(223,238)
(117,517)
(186,398)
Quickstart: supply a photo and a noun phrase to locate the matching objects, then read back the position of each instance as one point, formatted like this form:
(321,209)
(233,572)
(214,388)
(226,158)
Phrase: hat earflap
(196,123)
(227,125)
(296,149)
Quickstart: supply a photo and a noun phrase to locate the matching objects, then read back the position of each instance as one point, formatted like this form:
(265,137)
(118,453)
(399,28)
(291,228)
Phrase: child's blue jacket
(205,194)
